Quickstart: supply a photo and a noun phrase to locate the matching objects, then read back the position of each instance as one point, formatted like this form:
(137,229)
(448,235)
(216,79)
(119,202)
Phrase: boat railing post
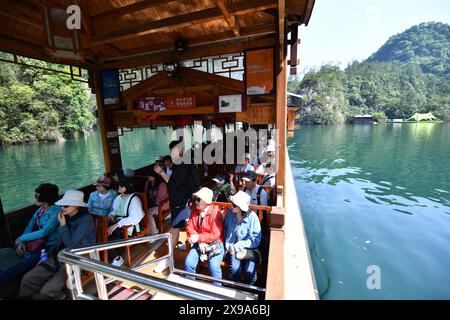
(99,279)
(5,233)
(71,281)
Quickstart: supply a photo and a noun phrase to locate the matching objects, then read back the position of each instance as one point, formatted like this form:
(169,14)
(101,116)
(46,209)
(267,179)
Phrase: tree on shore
(37,105)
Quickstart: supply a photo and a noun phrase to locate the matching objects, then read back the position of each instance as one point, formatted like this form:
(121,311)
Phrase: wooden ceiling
(127,33)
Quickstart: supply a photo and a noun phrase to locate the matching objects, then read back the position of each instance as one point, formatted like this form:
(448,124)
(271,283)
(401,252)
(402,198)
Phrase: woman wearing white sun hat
(205,234)
(242,233)
(76,230)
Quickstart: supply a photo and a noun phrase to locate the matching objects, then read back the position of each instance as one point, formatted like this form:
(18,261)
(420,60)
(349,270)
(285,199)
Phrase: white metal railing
(75,261)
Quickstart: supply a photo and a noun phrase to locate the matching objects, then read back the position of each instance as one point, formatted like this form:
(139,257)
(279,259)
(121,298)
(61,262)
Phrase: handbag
(249,254)
(36,244)
(213,249)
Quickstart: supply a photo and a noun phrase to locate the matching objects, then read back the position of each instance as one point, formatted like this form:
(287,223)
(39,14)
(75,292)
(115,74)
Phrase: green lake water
(72,164)
(369,194)
(376,195)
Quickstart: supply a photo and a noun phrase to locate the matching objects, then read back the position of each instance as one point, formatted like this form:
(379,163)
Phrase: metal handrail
(75,261)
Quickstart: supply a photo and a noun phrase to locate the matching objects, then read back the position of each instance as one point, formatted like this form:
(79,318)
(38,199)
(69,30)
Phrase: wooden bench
(162,214)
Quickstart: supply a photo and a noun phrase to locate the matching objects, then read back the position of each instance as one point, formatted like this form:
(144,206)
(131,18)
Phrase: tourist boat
(171,63)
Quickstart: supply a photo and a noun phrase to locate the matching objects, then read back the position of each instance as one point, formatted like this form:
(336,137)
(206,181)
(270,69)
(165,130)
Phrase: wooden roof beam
(13,9)
(85,18)
(132,8)
(231,20)
(257,30)
(182,21)
(229,46)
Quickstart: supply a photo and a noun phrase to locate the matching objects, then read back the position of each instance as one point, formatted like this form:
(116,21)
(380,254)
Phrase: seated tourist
(223,188)
(40,233)
(242,237)
(205,234)
(126,209)
(267,158)
(46,281)
(246,166)
(156,191)
(269,176)
(258,195)
(100,201)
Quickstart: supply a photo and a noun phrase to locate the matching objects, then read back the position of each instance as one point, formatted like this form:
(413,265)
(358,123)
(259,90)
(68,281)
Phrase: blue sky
(347,30)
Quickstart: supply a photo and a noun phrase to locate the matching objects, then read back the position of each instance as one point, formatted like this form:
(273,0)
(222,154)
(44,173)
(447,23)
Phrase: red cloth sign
(161,103)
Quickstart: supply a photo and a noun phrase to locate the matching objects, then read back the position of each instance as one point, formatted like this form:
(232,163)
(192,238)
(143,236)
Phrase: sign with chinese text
(161,103)
(259,72)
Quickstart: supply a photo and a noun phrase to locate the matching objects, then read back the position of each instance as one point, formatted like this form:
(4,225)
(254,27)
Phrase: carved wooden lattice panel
(230,66)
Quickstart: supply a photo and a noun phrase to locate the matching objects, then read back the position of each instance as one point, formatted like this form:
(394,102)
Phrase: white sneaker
(182,246)
(118,261)
(162,265)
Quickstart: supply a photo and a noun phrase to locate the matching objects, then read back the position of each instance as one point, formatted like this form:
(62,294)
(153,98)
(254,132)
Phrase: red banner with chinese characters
(161,103)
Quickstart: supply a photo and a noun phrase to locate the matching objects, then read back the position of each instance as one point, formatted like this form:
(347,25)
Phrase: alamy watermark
(73,22)
(226,149)
(374,280)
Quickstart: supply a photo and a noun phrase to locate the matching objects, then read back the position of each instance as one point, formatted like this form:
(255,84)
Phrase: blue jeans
(25,264)
(249,269)
(213,264)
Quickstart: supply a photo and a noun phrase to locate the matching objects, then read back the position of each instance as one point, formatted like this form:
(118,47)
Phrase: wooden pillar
(281,101)
(111,147)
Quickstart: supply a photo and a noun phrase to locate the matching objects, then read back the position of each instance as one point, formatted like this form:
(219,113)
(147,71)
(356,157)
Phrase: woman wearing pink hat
(100,202)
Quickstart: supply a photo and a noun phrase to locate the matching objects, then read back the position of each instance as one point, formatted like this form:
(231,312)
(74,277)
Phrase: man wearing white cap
(246,166)
(223,188)
(205,234)
(268,158)
(242,237)
(256,192)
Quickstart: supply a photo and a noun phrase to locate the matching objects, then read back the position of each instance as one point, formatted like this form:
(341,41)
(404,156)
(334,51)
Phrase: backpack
(136,227)
(258,195)
(266,178)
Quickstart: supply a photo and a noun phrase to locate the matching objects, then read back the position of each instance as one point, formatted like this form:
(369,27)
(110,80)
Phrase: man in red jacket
(205,234)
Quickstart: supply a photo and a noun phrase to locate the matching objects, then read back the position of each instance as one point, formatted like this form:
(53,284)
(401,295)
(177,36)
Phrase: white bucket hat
(205,194)
(242,200)
(271,147)
(72,198)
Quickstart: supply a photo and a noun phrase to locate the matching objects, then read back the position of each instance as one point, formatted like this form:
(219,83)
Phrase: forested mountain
(37,105)
(408,74)
(425,45)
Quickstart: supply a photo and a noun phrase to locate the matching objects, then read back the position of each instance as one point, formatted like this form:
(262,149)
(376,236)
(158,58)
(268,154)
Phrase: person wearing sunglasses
(41,232)
(205,234)
(242,237)
(76,230)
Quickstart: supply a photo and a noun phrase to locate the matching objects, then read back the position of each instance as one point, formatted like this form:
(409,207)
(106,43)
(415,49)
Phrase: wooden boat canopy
(126,33)
(131,37)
